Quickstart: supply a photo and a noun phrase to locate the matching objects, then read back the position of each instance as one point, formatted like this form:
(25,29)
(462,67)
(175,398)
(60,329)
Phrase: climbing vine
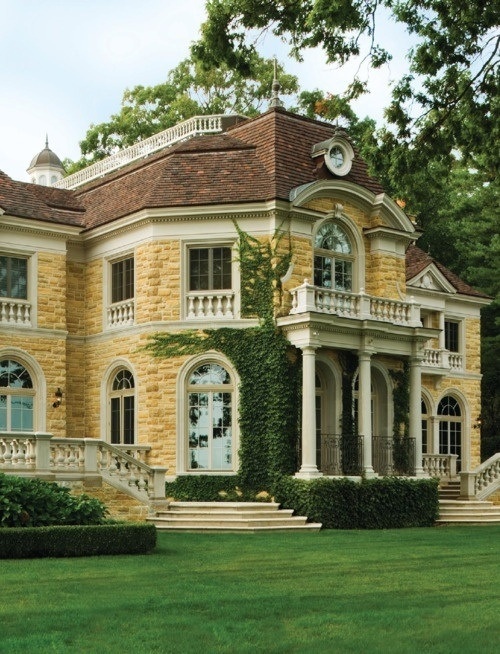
(350,443)
(268,366)
(401,425)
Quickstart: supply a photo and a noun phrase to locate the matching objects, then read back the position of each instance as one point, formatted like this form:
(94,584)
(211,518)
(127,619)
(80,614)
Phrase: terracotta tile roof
(417,260)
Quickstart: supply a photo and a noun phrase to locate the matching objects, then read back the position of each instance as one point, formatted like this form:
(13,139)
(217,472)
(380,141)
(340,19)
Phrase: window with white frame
(450,427)
(122,280)
(122,408)
(210,418)
(13,277)
(452,335)
(333,258)
(210,268)
(17,397)
(425,427)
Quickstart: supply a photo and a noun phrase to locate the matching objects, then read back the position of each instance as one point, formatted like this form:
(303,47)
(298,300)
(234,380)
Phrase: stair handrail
(483,481)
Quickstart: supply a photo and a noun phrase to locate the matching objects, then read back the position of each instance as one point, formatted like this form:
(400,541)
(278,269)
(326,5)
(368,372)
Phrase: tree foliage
(190,89)
(449,99)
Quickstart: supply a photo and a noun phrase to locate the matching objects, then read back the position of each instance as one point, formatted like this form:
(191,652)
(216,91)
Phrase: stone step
(468,512)
(229,517)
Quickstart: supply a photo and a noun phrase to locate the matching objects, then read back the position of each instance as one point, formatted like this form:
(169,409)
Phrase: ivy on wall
(268,366)
(401,425)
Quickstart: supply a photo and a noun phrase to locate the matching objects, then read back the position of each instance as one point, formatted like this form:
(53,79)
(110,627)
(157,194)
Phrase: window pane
(332,237)
(199,269)
(21,411)
(323,272)
(128,420)
(13,277)
(209,269)
(221,274)
(122,280)
(451,336)
(115,420)
(343,275)
(14,375)
(3,412)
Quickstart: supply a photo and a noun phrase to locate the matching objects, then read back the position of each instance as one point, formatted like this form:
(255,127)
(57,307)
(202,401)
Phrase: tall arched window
(122,408)
(17,397)
(210,418)
(450,427)
(333,258)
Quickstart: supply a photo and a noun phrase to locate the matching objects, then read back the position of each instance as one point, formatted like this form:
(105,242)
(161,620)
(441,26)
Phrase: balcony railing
(341,454)
(15,312)
(121,314)
(210,304)
(185,129)
(442,359)
(393,457)
(309,298)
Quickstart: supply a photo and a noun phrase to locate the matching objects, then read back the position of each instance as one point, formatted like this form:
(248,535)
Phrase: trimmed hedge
(28,502)
(66,541)
(385,503)
(211,488)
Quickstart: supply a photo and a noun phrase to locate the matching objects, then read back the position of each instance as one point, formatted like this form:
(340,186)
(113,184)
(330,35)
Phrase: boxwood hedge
(382,503)
(78,540)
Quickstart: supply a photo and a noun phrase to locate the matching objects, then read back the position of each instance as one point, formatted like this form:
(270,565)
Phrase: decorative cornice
(26,226)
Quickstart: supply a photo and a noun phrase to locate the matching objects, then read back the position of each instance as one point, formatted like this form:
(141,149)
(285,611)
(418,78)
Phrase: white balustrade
(67,459)
(212,304)
(440,465)
(187,128)
(307,298)
(121,313)
(482,481)
(15,312)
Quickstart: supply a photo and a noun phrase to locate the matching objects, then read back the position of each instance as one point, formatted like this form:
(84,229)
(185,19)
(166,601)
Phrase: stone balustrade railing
(185,129)
(210,305)
(307,298)
(441,466)
(121,313)
(15,312)
(65,459)
(483,481)
(442,359)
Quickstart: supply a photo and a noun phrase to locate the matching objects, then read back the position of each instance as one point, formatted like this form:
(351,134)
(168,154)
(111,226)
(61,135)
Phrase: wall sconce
(58,395)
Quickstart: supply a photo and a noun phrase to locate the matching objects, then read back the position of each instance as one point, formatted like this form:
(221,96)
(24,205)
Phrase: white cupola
(46,168)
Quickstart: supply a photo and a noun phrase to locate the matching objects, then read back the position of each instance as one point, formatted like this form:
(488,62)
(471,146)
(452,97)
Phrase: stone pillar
(42,453)
(365,410)
(308,469)
(416,412)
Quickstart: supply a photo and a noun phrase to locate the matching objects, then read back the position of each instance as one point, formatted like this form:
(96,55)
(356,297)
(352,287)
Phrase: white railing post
(42,452)
(304,298)
(467,485)
(157,488)
(91,447)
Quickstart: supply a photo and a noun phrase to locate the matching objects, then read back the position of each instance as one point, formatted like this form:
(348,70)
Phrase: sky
(66,63)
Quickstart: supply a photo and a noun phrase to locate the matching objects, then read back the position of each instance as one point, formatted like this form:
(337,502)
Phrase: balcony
(210,305)
(308,298)
(442,361)
(15,312)
(121,314)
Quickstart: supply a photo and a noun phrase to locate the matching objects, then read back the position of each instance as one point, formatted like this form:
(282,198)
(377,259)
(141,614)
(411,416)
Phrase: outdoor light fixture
(58,395)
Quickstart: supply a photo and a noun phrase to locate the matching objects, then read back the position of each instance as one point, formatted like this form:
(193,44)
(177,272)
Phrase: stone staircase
(453,510)
(227,517)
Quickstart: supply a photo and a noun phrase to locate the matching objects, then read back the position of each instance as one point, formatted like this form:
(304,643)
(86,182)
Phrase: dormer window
(337,152)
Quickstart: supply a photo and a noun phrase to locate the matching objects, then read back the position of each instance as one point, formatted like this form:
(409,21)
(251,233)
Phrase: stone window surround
(106,391)
(38,380)
(32,282)
(120,314)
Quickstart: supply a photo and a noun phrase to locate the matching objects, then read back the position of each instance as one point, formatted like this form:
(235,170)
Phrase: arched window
(17,397)
(210,418)
(450,427)
(333,258)
(122,408)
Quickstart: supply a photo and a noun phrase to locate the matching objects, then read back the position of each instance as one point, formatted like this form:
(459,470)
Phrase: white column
(416,412)
(308,469)
(365,411)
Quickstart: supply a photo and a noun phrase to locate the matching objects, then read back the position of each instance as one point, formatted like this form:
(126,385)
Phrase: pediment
(431,279)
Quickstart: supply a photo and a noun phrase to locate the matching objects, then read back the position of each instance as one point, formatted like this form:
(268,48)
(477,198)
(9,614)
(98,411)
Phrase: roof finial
(275,99)
(46,141)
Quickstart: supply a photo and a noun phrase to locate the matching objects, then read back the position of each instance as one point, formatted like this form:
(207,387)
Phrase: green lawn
(414,591)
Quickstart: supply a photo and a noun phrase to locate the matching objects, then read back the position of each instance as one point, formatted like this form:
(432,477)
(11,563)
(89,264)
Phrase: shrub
(36,503)
(65,541)
(386,503)
(211,488)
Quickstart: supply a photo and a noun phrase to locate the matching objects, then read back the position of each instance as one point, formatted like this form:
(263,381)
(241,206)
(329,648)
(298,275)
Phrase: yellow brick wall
(158,281)
(75,298)
(94,297)
(473,345)
(51,290)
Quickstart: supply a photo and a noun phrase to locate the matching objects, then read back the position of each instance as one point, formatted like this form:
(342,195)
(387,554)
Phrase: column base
(308,472)
(421,473)
(369,473)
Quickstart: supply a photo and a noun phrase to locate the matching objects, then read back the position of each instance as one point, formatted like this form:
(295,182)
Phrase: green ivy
(350,443)
(401,425)
(268,366)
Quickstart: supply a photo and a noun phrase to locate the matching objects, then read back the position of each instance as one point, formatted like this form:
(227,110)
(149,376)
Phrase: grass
(398,591)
